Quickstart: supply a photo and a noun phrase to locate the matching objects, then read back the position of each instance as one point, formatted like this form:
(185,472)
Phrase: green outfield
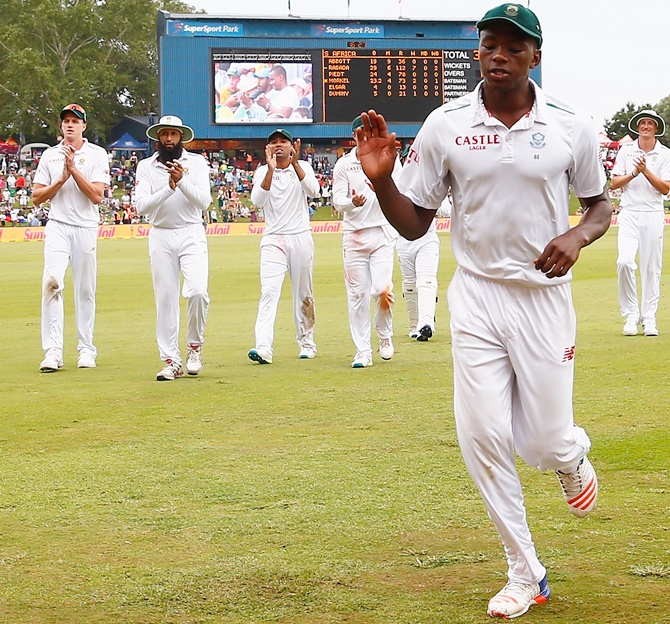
(305,492)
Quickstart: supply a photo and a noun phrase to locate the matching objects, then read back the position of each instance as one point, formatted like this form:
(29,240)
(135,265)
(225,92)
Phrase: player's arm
(341,199)
(563,251)
(44,192)
(305,173)
(259,194)
(94,191)
(295,160)
(197,189)
(377,153)
(271,160)
(619,177)
(660,185)
(619,181)
(146,201)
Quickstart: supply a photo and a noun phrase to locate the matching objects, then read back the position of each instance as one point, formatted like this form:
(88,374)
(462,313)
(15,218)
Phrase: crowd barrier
(141,230)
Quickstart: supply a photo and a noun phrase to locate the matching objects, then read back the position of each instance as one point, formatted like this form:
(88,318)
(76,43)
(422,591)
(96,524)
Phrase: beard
(166,155)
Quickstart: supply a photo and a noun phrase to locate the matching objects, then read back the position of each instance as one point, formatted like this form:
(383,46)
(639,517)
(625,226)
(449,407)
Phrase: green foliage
(99,53)
(663,109)
(304,492)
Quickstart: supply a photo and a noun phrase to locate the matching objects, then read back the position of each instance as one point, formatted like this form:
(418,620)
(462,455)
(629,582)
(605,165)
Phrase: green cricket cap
(523,18)
(285,133)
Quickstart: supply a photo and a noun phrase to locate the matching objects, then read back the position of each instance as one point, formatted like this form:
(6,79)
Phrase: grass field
(304,492)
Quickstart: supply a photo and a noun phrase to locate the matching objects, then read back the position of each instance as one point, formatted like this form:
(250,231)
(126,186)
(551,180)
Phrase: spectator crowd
(231,189)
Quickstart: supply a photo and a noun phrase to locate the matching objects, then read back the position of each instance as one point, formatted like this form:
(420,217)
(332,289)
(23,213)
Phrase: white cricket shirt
(509,186)
(285,204)
(168,208)
(69,205)
(348,175)
(639,195)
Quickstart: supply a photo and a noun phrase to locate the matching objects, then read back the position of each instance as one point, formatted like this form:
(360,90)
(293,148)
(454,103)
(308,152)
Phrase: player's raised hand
(295,154)
(376,146)
(270,158)
(641,164)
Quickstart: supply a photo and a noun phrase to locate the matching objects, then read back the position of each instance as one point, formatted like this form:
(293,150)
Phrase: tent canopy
(10,146)
(126,142)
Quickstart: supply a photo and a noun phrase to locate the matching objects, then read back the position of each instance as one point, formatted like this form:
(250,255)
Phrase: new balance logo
(569,354)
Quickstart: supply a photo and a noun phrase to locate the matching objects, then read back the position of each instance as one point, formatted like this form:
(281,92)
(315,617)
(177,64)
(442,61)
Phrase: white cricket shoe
(170,372)
(362,360)
(413,333)
(580,488)
(86,360)
(630,326)
(650,328)
(260,356)
(386,349)
(53,360)
(193,359)
(515,598)
(307,353)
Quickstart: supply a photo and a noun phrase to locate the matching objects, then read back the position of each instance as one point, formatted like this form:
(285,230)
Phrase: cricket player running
(512,319)
(73,175)
(172,191)
(368,250)
(281,187)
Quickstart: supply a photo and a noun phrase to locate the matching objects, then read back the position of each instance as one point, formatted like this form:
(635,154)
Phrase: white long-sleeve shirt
(173,208)
(348,175)
(285,204)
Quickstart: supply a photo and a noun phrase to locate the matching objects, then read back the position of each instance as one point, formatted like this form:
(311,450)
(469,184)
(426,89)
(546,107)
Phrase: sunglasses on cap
(75,109)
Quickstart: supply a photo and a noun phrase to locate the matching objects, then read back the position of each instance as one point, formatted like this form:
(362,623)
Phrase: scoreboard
(230,77)
(404,85)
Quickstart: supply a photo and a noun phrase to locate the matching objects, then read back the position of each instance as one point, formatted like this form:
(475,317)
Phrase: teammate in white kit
(73,175)
(173,192)
(368,250)
(509,153)
(281,188)
(641,219)
(419,263)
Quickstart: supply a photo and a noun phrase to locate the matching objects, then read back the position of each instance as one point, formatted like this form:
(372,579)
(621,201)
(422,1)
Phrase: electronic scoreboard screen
(262,86)
(403,85)
(336,85)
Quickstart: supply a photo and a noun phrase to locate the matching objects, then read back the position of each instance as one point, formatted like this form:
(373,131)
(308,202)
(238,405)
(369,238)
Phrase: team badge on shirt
(537,140)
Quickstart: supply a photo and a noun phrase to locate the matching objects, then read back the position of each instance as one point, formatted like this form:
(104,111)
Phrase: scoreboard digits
(403,85)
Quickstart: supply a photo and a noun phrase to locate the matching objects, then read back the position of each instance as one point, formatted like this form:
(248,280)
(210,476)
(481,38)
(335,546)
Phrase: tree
(99,53)
(663,109)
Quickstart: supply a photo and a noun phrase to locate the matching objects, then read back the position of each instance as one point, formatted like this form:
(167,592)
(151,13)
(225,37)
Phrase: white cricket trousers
(368,256)
(281,253)
(69,244)
(513,350)
(419,262)
(172,251)
(643,232)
